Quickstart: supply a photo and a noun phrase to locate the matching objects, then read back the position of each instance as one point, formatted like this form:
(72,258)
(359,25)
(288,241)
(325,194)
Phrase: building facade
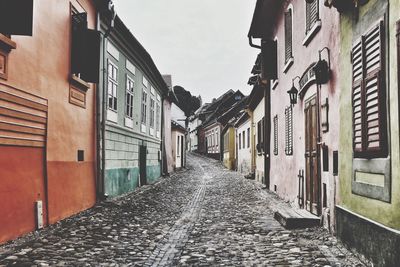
(48,160)
(245,134)
(132,103)
(368,210)
(303,135)
(178,145)
(229,147)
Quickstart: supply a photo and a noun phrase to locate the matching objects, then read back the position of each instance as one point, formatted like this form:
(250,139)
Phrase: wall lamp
(293,92)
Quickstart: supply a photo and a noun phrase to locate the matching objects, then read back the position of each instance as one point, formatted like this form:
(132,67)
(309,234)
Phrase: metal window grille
(369,95)
(289,131)
(112,86)
(312,14)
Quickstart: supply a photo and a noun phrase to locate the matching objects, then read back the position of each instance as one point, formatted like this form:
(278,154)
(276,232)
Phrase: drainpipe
(162,128)
(102,116)
(267,124)
(267,134)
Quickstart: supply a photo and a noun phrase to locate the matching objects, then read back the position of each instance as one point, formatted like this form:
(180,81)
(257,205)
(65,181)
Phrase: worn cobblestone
(204,216)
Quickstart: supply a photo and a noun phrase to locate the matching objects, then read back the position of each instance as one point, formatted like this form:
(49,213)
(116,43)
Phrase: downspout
(103,116)
(162,126)
(98,129)
(267,124)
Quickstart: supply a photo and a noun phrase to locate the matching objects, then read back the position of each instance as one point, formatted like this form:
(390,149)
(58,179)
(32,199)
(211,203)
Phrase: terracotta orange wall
(20,188)
(40,65)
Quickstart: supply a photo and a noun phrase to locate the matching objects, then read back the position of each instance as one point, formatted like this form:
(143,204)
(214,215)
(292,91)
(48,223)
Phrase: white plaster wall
(244,154)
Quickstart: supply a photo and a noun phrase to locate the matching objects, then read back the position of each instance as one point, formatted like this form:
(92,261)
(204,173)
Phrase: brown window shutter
(369,95)
(288,35)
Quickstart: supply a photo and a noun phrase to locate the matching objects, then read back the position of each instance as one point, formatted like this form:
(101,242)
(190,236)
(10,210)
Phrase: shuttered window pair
(276,135)
(289,131)
(369,94)
(312,14)
(288,35)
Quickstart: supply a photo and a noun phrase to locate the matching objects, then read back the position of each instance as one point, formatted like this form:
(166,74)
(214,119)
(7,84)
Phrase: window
(369,95)
(85,49)
(158,116)
(144,107)
(178,150)
(260,136)
(274,83)
(289,131)
(152,106)
(129,97)
(240,141)
(276,135)
(312,14)
(112,86)
(288,35)
(248,137)
(244,139)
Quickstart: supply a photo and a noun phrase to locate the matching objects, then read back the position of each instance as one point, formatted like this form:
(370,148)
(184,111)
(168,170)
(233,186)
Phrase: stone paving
(203,216)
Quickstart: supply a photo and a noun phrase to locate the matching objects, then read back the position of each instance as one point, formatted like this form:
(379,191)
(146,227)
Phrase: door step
(296,218)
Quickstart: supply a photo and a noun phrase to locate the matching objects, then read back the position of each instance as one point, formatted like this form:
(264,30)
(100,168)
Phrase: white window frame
(143,115)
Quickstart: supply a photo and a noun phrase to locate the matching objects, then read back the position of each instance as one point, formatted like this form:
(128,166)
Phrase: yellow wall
(229,151)
(379,211)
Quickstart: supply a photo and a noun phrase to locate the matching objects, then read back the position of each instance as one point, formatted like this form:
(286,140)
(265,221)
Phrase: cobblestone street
(203,216)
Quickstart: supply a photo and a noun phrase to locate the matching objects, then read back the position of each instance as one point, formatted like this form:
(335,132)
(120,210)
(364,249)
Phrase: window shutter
(16,17)
(289,131)
(276,135)
(357,59)
(91,65)
(312,14)
(288,35)
(369,95)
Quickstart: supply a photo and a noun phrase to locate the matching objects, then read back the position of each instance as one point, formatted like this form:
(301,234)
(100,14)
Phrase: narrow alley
(202,216)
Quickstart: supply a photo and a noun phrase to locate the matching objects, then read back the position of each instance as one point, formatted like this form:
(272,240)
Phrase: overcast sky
(202,44)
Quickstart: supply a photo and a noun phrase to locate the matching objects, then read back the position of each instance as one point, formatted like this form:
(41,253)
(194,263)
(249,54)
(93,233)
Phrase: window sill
(79,83)
(313,31)
(288,64)
(6,43)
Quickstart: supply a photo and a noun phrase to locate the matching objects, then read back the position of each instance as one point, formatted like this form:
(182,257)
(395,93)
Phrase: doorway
(311,157)
(142,164)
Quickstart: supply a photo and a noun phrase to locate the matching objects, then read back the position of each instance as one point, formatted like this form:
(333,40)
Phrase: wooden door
(142,165)
(311,156)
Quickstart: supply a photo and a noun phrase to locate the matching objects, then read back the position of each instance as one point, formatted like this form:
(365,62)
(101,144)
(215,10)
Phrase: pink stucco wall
(284,168)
